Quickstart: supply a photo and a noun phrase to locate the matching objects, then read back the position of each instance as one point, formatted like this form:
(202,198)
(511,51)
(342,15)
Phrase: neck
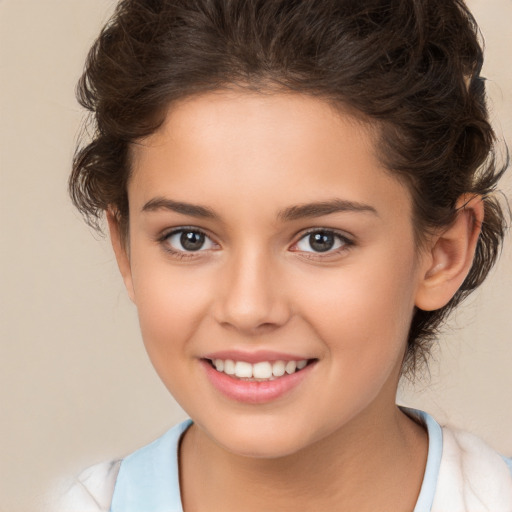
(348,470)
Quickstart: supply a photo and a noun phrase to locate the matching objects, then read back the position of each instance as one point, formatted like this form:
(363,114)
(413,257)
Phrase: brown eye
(192,241)
(322,241)
(188,240)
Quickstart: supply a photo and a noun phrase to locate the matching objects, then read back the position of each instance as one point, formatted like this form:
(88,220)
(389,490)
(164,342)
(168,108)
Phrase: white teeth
(290,367)
(264,370)
(278,369)
(229,367)
(243,369)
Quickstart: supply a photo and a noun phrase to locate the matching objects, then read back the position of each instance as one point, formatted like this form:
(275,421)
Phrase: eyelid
(338,232)
(167,233)
(346,240)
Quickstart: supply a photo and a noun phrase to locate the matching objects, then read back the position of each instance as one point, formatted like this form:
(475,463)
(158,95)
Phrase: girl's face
(264,234)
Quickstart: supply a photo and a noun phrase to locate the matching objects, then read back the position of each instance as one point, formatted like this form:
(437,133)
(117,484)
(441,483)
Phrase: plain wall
(76,386)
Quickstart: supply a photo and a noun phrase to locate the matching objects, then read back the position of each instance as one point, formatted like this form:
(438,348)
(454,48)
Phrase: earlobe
(450,255)
(121,252)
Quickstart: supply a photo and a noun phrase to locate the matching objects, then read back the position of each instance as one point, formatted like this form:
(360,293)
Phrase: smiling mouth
(262,371)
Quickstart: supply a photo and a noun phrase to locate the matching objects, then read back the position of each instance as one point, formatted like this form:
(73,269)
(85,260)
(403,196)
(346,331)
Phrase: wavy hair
(410,67)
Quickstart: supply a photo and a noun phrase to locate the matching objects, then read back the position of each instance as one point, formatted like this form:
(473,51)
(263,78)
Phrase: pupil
(192,241)
(321,242)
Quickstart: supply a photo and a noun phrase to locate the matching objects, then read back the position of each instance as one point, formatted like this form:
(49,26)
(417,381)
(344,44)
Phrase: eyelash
(346,242)
(179,254)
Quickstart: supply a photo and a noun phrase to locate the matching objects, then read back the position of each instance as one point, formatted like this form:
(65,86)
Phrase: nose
(251,298)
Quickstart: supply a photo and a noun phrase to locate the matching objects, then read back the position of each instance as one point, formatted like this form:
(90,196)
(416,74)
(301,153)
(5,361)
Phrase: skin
(257,284)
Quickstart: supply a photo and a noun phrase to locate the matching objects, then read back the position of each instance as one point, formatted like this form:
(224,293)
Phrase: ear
(121,251)
(450,254)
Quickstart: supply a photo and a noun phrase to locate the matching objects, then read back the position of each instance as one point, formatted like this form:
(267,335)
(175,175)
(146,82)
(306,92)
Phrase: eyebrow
(309,210)
(160,203)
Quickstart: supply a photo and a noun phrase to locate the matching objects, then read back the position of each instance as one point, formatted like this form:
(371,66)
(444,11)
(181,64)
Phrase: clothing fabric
(462,474)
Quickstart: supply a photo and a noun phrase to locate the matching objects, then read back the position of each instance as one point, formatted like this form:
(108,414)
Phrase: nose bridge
(251,297)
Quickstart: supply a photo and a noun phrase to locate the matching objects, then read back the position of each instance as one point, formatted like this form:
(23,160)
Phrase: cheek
(170,303)
(363,310)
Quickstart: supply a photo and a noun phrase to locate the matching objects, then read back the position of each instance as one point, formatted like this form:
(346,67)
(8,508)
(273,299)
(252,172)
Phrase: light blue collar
(435,451)
(148,479)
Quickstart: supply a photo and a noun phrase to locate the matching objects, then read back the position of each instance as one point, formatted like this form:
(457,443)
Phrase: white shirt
(462,474)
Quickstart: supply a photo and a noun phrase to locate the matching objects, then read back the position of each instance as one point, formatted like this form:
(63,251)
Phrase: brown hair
(411,67)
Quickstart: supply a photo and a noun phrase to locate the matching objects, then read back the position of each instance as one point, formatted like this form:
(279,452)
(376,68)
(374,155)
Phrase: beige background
(76,386)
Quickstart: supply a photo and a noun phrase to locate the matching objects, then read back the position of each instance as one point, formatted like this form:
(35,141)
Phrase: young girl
(298,193)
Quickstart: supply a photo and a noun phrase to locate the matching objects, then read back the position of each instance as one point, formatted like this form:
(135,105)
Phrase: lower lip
(251,392)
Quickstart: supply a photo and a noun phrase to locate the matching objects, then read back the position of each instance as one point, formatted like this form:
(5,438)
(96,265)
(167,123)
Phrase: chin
(263,448)
(262,441)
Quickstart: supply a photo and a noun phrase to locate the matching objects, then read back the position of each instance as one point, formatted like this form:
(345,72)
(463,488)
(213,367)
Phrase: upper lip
(254,357)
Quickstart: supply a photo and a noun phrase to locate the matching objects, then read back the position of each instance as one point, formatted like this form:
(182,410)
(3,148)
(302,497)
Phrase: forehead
(274,119)
(278,147)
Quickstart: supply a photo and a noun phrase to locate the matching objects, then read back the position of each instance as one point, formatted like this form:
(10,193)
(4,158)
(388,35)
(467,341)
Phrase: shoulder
(472,476)
(138,478)
(92,490)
